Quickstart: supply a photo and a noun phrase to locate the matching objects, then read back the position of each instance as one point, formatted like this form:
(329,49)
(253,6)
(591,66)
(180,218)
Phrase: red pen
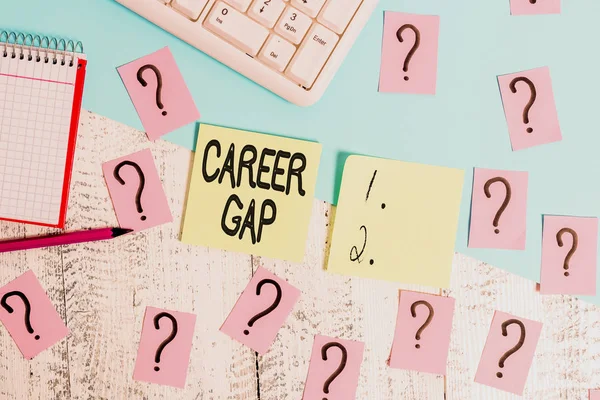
(91,235)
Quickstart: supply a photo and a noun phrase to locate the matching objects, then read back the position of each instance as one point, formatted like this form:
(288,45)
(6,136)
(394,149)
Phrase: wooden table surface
(102,289)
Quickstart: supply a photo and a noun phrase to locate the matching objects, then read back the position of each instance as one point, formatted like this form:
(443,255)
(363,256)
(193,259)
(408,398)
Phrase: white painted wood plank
(109,284)
(567,360)
(47,375)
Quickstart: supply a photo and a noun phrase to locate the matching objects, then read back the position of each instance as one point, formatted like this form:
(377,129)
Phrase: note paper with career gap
(164,103)
(409,54)
(327,355)
(264,291)
(136,191)
(529,7)
(44,326)
(569,251)
(432,326)
(509,375)
(529,108)
(165,346)
(390,215)
(498,221)
(251,192)
(595,394)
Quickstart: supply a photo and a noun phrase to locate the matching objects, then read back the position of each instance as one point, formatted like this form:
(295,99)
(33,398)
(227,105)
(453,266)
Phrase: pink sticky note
(529,7)
(328,355)
(409,53)
(498,221)
(261,310)
(136,191)
(159,93)
(165,347)
(498,367)
(29,316)
(529,108)
(419,345)
(569,251)
(595,394)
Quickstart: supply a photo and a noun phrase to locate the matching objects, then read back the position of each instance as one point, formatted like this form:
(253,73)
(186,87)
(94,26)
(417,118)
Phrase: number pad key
(312,55)
(236,28)
(310,7)
(277,53)
(337,14)
(293,25)
(241,5)
(266,11)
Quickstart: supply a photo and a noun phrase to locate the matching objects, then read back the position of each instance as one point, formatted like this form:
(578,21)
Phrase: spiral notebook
(41,85)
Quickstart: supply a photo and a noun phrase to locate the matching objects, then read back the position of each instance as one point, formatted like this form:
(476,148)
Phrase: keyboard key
(266,11)
(277,53)
(310,7)
(236,28)
(337,14)
(312,55)
(241,5)
(190,8)
(293,25)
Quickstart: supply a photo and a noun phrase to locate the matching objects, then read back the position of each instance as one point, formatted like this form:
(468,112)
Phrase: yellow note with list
(251,193)
(396,221)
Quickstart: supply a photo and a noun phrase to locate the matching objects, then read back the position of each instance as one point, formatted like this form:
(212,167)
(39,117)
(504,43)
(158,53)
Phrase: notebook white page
(36,101)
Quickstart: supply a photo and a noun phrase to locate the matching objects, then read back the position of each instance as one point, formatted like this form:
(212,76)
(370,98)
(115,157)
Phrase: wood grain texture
(102,289)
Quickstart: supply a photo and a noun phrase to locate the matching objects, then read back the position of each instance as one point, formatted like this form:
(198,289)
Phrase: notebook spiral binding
(38,48)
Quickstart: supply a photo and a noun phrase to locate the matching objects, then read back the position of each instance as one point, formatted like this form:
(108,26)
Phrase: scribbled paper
(529,108)
(251,193)
(248,323)
(29,316)
(167,335)
(160,110)
(390,215)
(423,329)
(498,209)
(328,355)
(595,394)
(136,191)
(529,7)
(511,374)
(409,53)
(569,255)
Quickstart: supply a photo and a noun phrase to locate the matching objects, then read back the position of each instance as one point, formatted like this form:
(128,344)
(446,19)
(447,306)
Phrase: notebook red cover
(70,156)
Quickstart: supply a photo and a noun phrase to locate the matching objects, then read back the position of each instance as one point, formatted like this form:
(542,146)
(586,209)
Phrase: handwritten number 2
(354,254)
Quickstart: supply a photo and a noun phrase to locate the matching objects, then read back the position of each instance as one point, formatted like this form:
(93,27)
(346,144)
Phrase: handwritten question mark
(532,96)
(340,367)
(415,46)
(559,240)
(159,83)
(516,347)
(142,183)
(168,340)
(27,309)
(486,189)
(270,308)
(413,312)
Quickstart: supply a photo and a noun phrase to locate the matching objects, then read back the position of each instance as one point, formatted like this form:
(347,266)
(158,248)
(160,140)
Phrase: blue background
(461,126)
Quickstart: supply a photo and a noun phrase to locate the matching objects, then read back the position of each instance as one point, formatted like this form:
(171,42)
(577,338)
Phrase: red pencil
(91,235)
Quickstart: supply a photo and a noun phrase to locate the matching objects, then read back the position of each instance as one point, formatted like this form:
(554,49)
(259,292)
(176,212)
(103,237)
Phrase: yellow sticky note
(396,221)
(251,192)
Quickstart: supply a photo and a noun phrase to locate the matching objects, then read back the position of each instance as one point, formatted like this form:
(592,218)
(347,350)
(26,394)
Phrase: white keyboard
(291,47)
